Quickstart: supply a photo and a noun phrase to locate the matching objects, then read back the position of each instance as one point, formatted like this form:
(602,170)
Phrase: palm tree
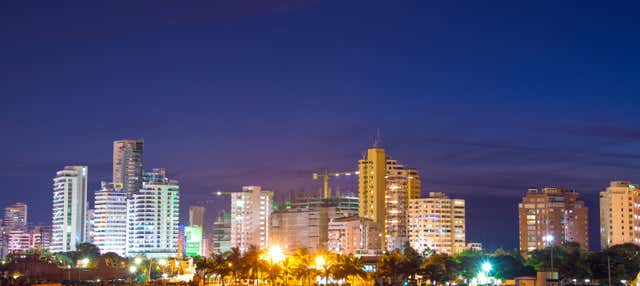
(234,261)
(301,262)
(390,266)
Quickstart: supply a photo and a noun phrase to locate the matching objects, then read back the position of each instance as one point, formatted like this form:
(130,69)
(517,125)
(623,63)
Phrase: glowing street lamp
(486,267)
(137,261)
(549,240)
(320,261)
(133,269)
(275,254)
(85,262)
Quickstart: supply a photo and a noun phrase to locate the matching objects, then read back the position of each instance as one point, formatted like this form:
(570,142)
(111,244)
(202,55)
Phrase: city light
(486,267)
(132,269)
(548,238)
(85,262)
(275,254)
(162,262)
(320,261)
(137,261)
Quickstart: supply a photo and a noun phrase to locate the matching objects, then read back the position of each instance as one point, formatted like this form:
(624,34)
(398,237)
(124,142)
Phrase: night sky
(485,98)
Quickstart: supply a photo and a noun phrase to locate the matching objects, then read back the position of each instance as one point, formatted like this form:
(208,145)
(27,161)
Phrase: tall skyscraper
(402,184)
(619,214)
(551,216)
(250,215)
(110,219)
(196,216)
(69,208)
(15,217)
(153,214)
(385,186)
(372,185)
(127,164)
(437,223)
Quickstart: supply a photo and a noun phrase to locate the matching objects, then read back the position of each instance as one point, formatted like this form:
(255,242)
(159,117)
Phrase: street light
(320,262)
(133,269)
(137,261)
(486,267)
(85,262)
(275,254)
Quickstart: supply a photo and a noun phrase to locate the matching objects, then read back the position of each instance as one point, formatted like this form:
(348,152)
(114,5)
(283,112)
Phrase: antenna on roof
(377,142)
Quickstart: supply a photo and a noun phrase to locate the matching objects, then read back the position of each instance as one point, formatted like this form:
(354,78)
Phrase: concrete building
(89,226)
(196,215)
(552,213)
(385,186)
(110,219)
(128,164)
(221,233)
(153,214)
(69,208)
(250,215)
(437,223)
(619,214)
(304,222)
(40,237)
(402,184)
(15,217)
(477,246)
(354,235)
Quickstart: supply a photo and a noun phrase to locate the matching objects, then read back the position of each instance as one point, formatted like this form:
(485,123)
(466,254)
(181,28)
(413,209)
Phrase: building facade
(221,233)
(354,235)
(153,214)
(437,223)
(250,215)
(551,216)
(619,214)
(372,185)
(196,215)
(402,184)
(15,217)
(110,219)
(304,222)
(69,208)
(128,164)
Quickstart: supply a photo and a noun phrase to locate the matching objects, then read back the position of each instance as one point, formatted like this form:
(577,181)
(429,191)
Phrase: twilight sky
(485,98)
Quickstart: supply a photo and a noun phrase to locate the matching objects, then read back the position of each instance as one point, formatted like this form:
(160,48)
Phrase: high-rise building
(304,222)
(551,216)
(619,214)
(153,214)
(402,184)
(110,219)
(221,233)
(196,216)
(372,185)
(437,223)
(40,237)
(127,164)
(15,217)
(354,235)
(19,240)
(69,208)
(250,215)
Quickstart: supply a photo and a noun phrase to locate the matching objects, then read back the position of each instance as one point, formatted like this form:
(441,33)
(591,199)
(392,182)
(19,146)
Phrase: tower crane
(326,175)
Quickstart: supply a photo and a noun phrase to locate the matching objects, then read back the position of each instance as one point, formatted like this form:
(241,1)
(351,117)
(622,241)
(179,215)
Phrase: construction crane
(326,175)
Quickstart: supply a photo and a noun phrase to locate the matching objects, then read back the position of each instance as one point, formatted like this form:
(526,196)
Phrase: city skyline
(226,97)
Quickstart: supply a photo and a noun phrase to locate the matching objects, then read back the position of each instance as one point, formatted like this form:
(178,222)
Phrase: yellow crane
(326,175)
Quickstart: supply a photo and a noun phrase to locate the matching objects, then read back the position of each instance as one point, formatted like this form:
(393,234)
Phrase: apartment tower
(250,216)
(437,223)
(619,214)
(551,216)
(127,164)
(153,214)
(110,219)
(69,208)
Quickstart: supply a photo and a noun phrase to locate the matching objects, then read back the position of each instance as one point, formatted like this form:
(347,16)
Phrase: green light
(486,267)
(632,186)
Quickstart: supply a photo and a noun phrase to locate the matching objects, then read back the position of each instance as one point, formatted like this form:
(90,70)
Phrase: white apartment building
(619,214)
(69,208)
(110,219)
(153,214)
(250,215)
